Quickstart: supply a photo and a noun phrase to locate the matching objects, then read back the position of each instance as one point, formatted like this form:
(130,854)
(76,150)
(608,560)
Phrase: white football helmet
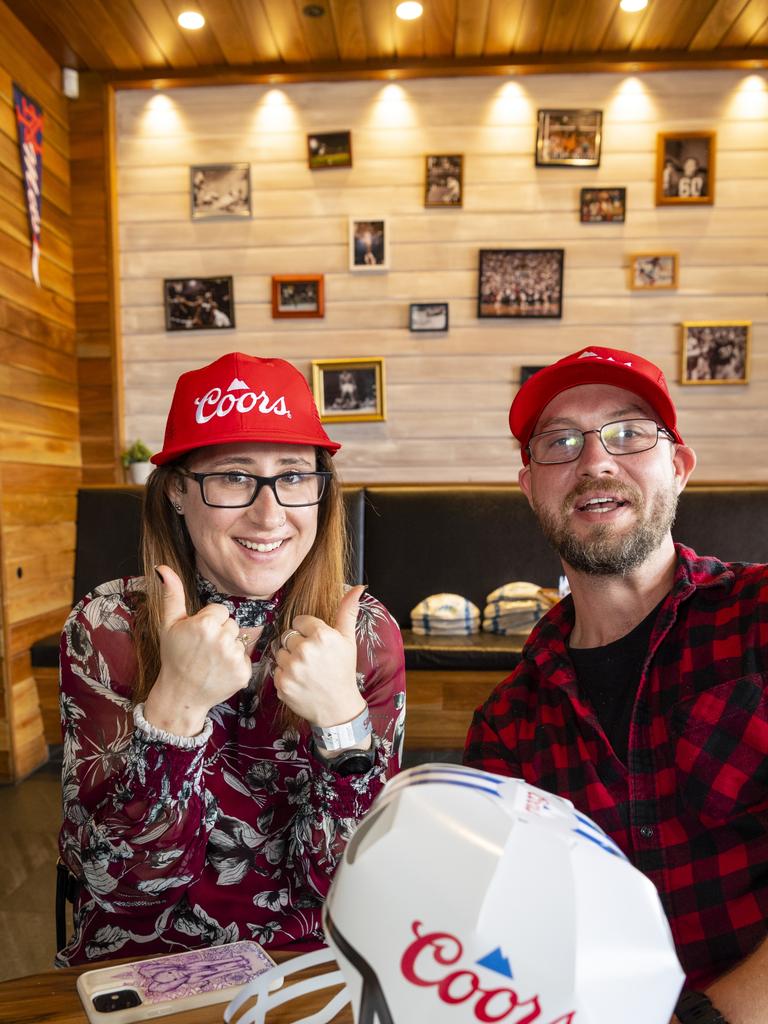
(469,898)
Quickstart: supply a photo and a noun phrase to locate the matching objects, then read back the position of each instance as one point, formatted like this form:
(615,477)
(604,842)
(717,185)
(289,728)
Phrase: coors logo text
(424,964)
(217,403)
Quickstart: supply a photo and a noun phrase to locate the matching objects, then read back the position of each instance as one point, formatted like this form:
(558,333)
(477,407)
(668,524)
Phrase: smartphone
(145,989)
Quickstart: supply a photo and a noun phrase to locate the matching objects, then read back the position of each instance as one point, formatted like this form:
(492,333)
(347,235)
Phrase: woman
(231,715)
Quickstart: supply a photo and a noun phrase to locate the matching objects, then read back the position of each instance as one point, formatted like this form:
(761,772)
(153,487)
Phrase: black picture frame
(428,317)
(199,303)
(327,150)
(603,205)
(520,284)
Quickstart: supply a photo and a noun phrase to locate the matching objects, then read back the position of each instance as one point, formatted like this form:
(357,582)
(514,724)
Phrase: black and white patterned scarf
(246,611)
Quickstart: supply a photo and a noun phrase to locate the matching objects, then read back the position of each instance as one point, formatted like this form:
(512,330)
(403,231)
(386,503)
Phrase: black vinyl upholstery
(465,540)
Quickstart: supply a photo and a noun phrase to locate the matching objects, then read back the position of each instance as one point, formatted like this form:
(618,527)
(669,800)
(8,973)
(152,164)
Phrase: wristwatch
(351,762)
(348,734)
(696,1008)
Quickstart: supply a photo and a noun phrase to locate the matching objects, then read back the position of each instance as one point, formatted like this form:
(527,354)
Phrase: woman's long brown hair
(316,587)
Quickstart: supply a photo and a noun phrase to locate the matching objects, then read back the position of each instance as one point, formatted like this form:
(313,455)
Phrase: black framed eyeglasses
(622,437)
(234,489)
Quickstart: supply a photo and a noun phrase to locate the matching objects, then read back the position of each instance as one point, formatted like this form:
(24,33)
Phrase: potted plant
(135,458)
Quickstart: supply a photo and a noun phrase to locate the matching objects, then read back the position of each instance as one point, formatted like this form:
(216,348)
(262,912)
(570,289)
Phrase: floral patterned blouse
(232,834)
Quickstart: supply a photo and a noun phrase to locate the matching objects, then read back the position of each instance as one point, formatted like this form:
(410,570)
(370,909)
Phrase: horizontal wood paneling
(39,446)
(447,395)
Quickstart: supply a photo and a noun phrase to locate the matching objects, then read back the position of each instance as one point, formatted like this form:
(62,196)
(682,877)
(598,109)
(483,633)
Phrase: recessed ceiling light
(191,19)
(409,10)
(632,6)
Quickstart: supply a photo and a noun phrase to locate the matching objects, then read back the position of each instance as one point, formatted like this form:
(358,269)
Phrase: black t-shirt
(608,678)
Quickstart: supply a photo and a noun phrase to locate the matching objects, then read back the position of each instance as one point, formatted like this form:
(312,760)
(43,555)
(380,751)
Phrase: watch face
(352,762)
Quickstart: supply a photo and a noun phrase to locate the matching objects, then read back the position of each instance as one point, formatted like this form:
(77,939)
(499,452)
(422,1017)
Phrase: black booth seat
(478,652)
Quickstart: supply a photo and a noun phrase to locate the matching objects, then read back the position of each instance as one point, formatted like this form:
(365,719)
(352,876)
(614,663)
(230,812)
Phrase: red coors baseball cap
(592,365)
(241,398)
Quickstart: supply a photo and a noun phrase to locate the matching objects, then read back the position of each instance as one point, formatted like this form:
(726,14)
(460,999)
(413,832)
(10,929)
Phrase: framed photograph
(444,181)
(220,190)
(298,295)
(685,168)
(603,205)
(368,244)
(349,390)
(653,271)
(526,372)
(569,138)
(198,303)
(329,149)
(715,352)
(428,316)
(520,283)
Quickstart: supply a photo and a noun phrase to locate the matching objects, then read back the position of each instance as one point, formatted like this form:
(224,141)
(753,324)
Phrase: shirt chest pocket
(721,749)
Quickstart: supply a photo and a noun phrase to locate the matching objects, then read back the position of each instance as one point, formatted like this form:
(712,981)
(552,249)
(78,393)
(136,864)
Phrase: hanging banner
(29,121)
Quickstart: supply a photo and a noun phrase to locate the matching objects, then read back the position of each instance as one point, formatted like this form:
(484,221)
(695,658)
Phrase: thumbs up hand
(202,662)
(317,665)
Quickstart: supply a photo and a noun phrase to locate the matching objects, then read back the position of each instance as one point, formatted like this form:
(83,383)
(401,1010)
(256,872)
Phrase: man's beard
(607,551)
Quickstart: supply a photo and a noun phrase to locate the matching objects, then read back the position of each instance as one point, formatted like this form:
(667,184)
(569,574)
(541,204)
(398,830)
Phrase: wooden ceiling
(141,38)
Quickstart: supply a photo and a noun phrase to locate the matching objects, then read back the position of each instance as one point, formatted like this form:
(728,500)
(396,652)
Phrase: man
(642,697)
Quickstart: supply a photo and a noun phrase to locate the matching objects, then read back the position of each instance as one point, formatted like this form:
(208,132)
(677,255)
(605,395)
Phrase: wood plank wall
(447,395)
(39,446)
(98,357)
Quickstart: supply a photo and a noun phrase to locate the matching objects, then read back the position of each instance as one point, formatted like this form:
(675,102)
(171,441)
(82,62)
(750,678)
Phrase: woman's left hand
(316,674)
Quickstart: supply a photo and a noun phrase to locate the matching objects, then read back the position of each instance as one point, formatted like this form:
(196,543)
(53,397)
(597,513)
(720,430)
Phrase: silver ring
(287,636)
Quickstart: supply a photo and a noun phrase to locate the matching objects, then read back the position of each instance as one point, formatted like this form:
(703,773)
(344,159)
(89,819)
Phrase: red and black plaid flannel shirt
(690,807)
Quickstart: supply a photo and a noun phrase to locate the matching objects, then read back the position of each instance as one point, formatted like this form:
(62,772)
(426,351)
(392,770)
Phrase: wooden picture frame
(444,181)
(298,296)
(198,303)
(569,138)
(653,271)
(368,244)
(685,168)
(326,150)
(220,191)
(520,283)
(715,351)
(603,205)
(428,317)
(349,390)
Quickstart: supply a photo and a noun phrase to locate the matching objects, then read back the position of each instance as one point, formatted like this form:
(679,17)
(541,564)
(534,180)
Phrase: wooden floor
(30,814)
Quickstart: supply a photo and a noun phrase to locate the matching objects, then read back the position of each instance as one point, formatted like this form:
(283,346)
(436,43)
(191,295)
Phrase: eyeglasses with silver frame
(235,489)
(621,437)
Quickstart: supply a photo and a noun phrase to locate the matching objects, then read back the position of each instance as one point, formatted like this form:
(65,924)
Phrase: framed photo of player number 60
(685,168)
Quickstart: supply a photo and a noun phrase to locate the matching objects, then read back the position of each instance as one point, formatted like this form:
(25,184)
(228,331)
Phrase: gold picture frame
(653,271)
(685,168)
(715,351)
(349,390)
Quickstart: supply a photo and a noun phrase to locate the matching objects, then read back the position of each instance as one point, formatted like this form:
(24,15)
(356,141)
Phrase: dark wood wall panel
(39,428)
(94,306)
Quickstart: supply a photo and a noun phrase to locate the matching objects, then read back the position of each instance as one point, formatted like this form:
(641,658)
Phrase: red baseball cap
(241,398)
(590,366)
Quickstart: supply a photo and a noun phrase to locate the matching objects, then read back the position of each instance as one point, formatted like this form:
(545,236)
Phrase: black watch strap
(696,1008)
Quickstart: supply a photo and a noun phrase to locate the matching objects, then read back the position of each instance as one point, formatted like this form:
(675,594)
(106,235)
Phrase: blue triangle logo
(496,961)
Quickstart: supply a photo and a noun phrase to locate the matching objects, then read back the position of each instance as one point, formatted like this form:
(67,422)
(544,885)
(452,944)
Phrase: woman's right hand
(202,662)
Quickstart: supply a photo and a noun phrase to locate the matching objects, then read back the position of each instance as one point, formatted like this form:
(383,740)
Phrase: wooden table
(51,998)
